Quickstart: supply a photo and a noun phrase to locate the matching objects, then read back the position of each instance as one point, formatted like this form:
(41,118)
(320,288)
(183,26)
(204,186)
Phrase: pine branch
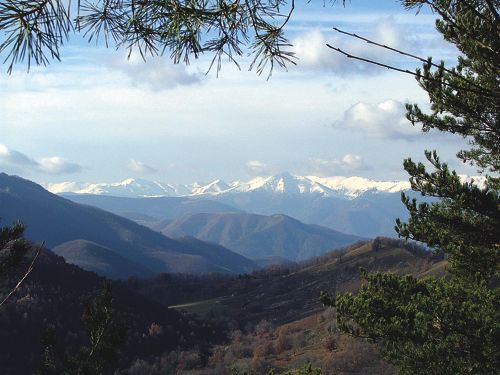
(404,53)
(446,17)
(417,75)
(493,11)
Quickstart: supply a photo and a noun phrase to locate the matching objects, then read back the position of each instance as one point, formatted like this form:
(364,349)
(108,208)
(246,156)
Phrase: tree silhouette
(449,325)
(13,249)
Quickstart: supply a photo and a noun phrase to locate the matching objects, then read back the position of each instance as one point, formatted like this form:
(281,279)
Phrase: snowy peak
(355,186)
(214,187)
(284,183)
(127,188)
(277,184)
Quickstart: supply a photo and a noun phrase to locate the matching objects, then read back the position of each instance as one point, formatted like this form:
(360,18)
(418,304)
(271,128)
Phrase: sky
(100,117)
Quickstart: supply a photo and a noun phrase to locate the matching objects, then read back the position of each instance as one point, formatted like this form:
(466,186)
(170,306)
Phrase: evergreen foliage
(34,31)
(449,325)
(306,370)
(106,335)
(13,246)
(426,326)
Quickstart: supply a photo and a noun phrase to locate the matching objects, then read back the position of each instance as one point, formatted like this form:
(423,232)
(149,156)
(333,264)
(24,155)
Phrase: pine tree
(449,325)
(13,246)
(106,336)
(13,253)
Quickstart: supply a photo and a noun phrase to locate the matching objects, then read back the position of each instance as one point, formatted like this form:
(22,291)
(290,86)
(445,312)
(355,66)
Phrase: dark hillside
(275,316)
(287,293)
(52,295)
(99,259)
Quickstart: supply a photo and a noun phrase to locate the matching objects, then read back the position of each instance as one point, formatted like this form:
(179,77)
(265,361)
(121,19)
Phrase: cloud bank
(383,120)
(313,54)
(349,163)
(16,162)
(156,73)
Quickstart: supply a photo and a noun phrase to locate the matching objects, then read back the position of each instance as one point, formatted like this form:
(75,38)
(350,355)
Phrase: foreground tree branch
(33,31)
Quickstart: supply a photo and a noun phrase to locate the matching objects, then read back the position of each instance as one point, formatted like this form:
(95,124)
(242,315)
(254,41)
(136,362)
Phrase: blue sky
(98,117)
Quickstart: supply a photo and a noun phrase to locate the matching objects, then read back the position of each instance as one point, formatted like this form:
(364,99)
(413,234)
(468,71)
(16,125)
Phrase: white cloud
(313,54)
(16,162)
(256,167)
(58,165)
(139,167)
(15,159)
(389,33)
(383,120)
(156,73)
(352,162)
(349,163)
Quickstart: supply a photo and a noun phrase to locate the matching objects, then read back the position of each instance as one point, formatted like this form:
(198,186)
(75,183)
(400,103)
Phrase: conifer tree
(449,325)
(13,251)
(106,335)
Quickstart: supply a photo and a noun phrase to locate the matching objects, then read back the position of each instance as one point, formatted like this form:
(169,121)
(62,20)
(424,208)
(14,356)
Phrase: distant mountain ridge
(106,237)
(258,236)
(284,183)
(146,210)
(352,205)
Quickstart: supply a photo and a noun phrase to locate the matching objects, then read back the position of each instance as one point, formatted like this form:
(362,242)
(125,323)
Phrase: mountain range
(352,205)
(208,236)
(107,243)
(284,183)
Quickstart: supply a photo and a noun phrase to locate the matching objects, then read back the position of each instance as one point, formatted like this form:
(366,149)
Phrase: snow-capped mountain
(354,205)
(214,187)
(126,188)
(284,184)
(355,186)
(281,184)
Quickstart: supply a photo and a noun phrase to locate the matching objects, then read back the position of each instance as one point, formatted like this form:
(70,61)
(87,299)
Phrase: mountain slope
(93,257)
(52,296)
(149,210)
(127,188)
(257,236)
(366,216)
(292,292)
(56,220)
